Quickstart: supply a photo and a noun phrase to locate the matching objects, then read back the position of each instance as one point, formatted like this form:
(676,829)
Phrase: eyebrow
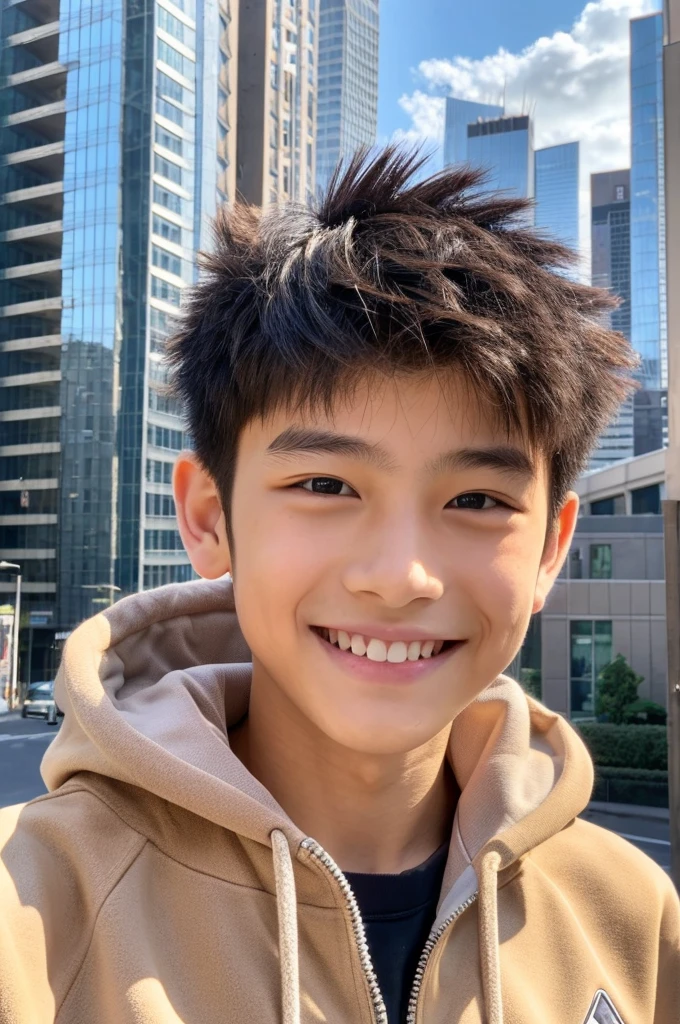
(502,458)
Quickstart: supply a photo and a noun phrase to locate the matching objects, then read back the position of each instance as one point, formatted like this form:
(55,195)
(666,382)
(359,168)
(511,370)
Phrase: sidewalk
(629,810)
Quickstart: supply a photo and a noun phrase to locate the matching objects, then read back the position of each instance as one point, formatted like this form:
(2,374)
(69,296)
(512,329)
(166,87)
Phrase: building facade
(347,86)
(115,151)
(610,247)
(458,115)
(647,219)
(610,596)
(276,115)
(504,146)
(556,191)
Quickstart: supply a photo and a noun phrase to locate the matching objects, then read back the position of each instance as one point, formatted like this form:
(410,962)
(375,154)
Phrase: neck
(372,813)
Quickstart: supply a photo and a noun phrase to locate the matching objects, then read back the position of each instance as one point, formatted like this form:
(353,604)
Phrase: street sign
(40,618)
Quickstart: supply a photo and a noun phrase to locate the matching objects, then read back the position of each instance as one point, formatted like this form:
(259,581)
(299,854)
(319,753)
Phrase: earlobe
(200,517)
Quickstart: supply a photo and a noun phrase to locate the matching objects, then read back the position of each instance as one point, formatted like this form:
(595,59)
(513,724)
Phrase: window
(166,229)
(174,27)
(168,199)
(646,501)
(164,290)
(166,260)
(168,140)
(163,437)
(166,109)
(591,650)
(160,575)
(162,540)
(286,180)
(158,472)
(620,193)
(160,505)
(614,506)
(173,172)
(168,87)
(176,60)
(600,561)
(286,131)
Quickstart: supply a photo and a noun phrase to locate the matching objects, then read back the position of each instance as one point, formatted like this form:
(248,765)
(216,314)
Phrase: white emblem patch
(602,1010)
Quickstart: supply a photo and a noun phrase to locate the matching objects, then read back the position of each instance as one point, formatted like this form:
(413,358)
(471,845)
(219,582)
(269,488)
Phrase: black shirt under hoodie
(398,912)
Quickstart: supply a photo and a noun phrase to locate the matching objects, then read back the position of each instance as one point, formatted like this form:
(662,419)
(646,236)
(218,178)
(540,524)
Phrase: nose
(394,566)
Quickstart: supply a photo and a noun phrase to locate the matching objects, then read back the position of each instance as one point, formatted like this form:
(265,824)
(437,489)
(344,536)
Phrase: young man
(389,400)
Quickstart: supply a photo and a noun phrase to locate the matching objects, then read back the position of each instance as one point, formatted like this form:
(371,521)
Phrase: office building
(556,191)
(504,147)
(116,147)
(347,87)
(275,154)
(610,247)
(647,225)
(459,114)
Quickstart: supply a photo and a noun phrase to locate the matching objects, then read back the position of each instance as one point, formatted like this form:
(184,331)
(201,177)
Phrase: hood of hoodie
(151,686)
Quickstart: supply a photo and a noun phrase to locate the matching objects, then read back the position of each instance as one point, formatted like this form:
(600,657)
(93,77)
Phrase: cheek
(502,584)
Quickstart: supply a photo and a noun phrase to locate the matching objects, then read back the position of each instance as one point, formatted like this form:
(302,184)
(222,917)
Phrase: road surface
(24,741)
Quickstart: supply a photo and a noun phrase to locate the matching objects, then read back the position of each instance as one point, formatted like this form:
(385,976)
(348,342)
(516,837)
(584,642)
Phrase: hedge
(626,746)
(631,786)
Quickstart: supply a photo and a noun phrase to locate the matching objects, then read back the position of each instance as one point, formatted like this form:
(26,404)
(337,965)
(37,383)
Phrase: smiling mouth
(396,652)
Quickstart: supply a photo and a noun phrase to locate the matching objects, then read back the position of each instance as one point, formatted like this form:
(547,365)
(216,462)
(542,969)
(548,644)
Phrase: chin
(377,735)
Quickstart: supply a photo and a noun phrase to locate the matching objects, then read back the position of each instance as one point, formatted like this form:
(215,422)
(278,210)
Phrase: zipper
(425,956)
(320,854)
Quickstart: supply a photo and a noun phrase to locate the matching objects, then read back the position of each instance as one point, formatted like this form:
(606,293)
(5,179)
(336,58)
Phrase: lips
(395,651)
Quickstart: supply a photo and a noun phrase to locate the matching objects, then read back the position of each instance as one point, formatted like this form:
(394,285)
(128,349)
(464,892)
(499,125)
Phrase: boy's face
(405,518)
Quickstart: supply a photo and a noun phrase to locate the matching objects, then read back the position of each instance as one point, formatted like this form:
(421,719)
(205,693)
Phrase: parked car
(40,703)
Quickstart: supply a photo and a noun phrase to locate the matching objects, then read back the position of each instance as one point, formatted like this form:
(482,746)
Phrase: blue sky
(415,30)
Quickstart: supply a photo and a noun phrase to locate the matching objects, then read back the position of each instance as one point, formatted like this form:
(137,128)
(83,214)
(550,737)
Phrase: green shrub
(530,679)
(617,687)
(631,786)
(626,746)
(645,712)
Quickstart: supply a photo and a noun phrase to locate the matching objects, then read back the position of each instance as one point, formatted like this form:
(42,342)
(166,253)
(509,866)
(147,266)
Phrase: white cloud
(574,83)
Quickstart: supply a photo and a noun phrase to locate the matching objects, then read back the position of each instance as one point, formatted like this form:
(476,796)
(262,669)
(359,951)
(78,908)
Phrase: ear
(556,549)
(201,521)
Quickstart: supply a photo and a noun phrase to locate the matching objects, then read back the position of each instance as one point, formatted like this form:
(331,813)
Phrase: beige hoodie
(159,882)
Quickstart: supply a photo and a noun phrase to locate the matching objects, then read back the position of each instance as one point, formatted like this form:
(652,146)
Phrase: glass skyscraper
(114,154)
(504,147)
(557,192)
(647,219)
(459,114)
(347,88)
(610,234)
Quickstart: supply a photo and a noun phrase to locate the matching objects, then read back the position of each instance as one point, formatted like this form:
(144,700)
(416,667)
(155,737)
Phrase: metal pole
(14,694)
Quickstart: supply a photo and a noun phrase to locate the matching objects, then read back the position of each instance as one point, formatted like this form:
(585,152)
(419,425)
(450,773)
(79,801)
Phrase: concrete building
(275,152)
(347,87)
(610,597)
(459,114)
(117,143)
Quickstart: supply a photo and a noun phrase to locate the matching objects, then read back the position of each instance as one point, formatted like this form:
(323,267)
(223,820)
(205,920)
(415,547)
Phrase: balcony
(42,10)
(49,78)
(37,377)
(47,118)
(39,412)
(42,41)
(48,159)
(49,232)
(51,306)
(44,270)
(44,341)
(48,198)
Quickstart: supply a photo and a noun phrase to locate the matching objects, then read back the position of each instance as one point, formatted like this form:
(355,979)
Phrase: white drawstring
(489,953)
(286,906)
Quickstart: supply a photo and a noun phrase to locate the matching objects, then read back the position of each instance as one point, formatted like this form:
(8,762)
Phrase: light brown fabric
(158,881)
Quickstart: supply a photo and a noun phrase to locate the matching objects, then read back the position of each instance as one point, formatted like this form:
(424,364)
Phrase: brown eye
(326,485)
(476,501)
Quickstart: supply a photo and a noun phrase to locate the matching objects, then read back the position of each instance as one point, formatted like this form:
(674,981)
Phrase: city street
(23,743)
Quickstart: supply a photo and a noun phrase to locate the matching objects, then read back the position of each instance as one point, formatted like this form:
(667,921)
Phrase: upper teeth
(378,650)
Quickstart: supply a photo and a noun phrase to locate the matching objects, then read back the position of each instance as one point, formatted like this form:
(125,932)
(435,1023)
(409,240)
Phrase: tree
(617,687)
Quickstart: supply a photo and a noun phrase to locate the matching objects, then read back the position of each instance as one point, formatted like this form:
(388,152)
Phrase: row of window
(163,437)
(168,140)
(170,200)
(161,289)
(168,169)
(160,505)
(166,260)
(167,229)
(162,540)
(158,472)
(644,501)
(160,575)
(176,60)
(174,27)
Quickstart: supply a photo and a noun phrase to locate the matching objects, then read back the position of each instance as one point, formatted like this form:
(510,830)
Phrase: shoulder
(60,857)
(600,868)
